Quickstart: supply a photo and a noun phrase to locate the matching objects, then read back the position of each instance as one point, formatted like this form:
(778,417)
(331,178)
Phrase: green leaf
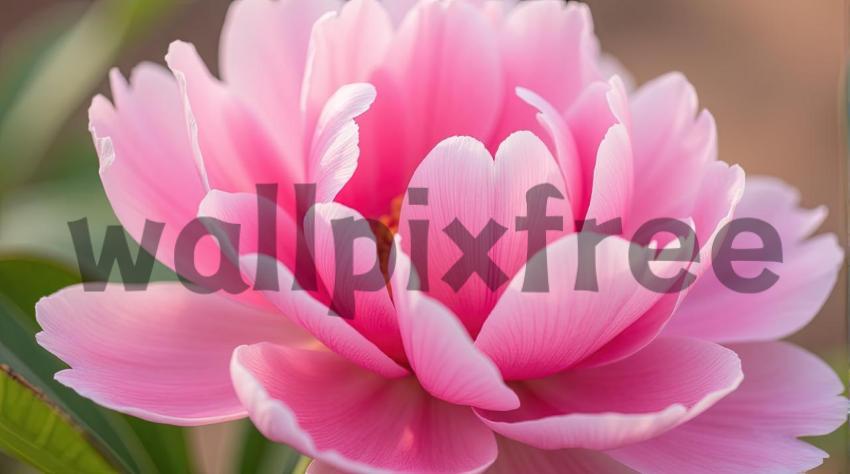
(261,456)
(165,443)
(34,430)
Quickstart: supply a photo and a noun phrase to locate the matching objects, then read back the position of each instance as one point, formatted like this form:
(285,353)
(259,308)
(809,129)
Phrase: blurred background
(771,71)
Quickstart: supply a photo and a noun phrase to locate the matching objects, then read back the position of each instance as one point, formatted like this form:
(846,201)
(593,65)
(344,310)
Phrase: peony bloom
(475,102)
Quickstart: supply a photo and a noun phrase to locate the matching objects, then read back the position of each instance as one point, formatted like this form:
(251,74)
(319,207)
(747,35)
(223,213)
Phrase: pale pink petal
(662,386)
(807,275)
(563,145)
(345,47)
(355,420)
(442,77)
(548,47)
(599,107)
(786,393)
(264,45)
(538,334)
(441,352)
(147,166)
(334,149)
(613,177)
(332,330)
(161,354)
(467,187)
(673,142)
(517,457)
(244,209)
(372,314)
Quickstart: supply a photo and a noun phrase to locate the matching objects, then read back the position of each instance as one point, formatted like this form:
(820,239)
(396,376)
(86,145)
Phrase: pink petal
(547,47)
(441,352)
(599,107)
(373,314)
(345,47)
(563,145)
(263,57)
(353,419)
(786,393)
(465,184)
(662,386)
(161,355)
(807,275)
(146,161)
(538,334)
(517,457)
(332,330)
(427,92)
(673,143)
(232,142)
(334,150)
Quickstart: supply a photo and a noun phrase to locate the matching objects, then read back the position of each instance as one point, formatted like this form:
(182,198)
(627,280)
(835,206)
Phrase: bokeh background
(771,71)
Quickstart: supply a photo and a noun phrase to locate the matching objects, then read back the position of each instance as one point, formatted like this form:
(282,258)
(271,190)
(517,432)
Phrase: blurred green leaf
(165,443)
(148,447)
(47,89)
(34,430)
(261,456)
(25,279)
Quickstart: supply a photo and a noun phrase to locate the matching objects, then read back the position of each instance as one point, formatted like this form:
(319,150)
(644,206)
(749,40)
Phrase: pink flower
(476,102)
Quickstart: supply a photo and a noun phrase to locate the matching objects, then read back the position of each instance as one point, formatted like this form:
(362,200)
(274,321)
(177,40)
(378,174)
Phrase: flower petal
(517,457)
(466,187)
(147,166)
(441,352)
(662,386)
(330,329)
(538,334)
(807,275)
(161,354)
(786,393)
(355,420)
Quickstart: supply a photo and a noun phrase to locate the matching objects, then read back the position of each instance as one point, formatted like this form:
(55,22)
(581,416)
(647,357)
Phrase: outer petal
(441,352)
(538,334)
(466,186)
(517,457)
(161,355)
(146,161)
(355,420)
(807,275)
(786,393)
(332,330)
(662,386)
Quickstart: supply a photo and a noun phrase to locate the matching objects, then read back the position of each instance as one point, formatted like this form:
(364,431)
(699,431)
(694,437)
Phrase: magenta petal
(786,393)
(664,385)
(355,420)
(161,355)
